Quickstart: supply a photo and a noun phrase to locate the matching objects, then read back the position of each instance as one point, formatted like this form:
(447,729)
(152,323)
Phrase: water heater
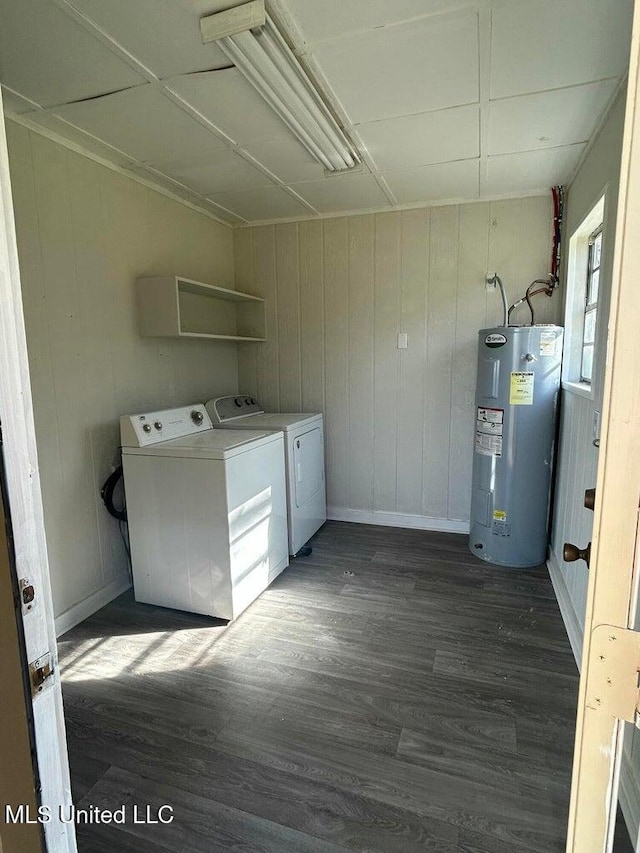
(515,424)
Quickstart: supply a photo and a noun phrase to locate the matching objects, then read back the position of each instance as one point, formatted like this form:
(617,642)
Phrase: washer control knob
(253,401)
(238,401)
(247,400)
(158,425)
(197,417)
(146,427)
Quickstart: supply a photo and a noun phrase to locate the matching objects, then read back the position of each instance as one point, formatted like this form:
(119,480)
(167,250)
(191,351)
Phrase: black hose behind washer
(106,493)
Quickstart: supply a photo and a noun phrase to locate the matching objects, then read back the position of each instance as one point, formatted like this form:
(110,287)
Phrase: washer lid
(286,421)
(210,444)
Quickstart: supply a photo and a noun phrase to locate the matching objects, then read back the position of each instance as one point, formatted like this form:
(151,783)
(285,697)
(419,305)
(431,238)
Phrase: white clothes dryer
(304,454)
(206,510)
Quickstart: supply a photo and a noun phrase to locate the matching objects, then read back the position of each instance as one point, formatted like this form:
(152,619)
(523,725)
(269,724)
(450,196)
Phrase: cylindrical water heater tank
(516,404)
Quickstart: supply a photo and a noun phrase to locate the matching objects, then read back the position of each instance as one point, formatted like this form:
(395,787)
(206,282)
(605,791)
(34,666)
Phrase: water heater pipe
(505,317)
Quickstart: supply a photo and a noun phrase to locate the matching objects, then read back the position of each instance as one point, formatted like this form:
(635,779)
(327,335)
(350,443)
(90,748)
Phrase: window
(591,304)
(584,278)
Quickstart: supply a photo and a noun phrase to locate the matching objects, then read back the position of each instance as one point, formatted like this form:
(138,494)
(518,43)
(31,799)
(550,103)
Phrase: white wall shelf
(173,306)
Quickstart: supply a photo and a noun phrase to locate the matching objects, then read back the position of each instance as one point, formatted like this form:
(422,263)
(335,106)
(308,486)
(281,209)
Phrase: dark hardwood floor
(390,694)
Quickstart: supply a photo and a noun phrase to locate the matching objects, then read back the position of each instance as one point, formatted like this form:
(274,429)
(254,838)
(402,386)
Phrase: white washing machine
(304,453)
(206,510)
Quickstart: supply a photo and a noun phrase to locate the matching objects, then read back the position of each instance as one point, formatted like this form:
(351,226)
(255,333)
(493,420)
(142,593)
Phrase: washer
(206,510)
(304,453)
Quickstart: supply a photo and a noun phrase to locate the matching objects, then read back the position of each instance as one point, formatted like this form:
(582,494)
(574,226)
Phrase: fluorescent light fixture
(253,43)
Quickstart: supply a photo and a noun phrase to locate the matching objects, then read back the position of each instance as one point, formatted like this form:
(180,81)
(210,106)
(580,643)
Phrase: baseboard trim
(397,519)
(83,609)
(572,624)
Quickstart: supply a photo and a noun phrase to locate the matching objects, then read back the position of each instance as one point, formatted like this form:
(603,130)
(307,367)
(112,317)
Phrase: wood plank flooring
(389,694)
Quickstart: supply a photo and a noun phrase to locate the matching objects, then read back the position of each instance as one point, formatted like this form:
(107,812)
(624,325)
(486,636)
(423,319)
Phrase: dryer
(206,510)
(304,454)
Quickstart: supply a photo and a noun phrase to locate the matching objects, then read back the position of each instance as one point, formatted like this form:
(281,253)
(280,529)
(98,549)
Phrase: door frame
(609,678)
(19,783)
(25,508)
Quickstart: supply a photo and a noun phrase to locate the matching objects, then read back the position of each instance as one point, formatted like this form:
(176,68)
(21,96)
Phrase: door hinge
(615,672)
(40,671)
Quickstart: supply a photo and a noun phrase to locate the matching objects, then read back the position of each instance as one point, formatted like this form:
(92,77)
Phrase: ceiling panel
(262,203)
(335,18)
(435,183)
(532,170)
(419,140)
(343,192)
(142,123)
(47,57)
(163,34)
(548,119)
(287,159)
(427,65)
(216,171)
(546,44)
(233,105)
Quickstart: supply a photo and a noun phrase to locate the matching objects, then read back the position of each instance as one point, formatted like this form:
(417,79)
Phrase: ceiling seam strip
(557,89)
(537,150)
(371,165)
(390,25)
(375,121)
(485,24)
(106,40)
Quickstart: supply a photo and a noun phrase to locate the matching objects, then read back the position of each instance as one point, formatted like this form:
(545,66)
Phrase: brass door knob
(571,553)
(590,498)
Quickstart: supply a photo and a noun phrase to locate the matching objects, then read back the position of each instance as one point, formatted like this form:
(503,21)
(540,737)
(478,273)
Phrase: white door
(25,506)
(610,674)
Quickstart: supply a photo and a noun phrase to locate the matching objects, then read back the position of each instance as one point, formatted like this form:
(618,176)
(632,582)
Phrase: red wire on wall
(557,194)
(548,284)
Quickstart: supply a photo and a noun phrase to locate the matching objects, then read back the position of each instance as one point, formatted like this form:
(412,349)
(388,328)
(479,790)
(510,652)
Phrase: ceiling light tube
(261,75)
(277,50)
(266,61)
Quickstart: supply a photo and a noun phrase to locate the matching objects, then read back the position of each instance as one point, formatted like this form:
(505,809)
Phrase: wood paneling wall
(84,234)
(399,423)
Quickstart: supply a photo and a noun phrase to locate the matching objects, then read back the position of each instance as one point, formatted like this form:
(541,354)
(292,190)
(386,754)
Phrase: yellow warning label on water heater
(521,389)
(499,515)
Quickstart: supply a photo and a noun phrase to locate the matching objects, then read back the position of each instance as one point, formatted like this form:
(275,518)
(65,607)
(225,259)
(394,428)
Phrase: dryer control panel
(153,427)
(226,409)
